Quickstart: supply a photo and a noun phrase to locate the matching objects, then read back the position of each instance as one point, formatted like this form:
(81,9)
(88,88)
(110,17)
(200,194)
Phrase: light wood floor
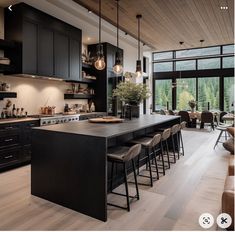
(192,186)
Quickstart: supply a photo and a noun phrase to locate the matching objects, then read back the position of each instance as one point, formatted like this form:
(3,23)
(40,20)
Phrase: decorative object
(86,57)
(99,61)
(117,68)
(131,94)
(138,62)
(129,75)
(192,104)
(107,119)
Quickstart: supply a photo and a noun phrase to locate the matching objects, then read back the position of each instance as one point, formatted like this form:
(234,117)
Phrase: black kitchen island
(69,165)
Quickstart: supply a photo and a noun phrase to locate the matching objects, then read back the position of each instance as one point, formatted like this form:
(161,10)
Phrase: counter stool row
(155,146)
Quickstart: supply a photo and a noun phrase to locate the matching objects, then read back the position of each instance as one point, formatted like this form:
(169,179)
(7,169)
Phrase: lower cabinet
(15,143)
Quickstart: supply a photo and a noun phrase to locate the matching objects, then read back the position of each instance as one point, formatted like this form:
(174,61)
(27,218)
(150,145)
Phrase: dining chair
(208,118)
(170,112)
(185,117)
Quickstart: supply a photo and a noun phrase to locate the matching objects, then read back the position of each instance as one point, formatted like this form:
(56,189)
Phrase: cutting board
(106,120)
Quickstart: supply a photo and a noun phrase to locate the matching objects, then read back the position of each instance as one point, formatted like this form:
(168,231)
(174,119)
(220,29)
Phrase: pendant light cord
(117,24)
(100,25)
(139,17)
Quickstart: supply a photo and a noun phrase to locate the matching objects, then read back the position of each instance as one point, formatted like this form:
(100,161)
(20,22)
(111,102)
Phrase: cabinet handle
(9,127)
(8,157)
(8,140)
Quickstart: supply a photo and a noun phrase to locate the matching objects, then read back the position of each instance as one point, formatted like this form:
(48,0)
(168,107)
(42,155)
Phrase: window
(228,49)
(163,67)
(228,62)
(209,63)
(186,65)
(198,52)
(185,91)
(208,93)
(229,94)
(162,55)
(163,94)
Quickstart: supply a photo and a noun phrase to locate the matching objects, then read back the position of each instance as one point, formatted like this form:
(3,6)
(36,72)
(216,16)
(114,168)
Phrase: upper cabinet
(46,45)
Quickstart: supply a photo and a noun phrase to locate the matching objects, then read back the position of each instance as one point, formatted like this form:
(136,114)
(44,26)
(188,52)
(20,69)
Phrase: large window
(209,63)
(204,74)
(229,93)
(185,65)
(163,67)
(208,93)
(163,94)
(186,91)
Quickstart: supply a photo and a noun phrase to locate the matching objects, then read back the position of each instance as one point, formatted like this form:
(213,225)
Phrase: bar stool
(149,145)
(174,133)
(166,133)
(122,155)
(182,126)
(222,130)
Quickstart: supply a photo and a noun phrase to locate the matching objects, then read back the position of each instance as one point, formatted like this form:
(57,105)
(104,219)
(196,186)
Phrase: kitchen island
(69,164)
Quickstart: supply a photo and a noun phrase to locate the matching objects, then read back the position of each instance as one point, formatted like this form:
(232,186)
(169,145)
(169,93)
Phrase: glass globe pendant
(138,62)
(117,68)
(99,60)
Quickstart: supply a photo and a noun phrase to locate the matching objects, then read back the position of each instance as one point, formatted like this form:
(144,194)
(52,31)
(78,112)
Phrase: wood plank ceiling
(166,22)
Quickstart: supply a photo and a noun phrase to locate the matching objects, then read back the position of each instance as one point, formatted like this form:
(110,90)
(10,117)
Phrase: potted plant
(132,94)
(192,104)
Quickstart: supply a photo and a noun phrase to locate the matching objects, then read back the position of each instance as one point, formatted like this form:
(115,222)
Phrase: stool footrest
(124,195)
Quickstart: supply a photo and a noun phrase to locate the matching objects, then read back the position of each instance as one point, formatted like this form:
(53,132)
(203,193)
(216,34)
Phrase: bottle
(92,109)
(14,111)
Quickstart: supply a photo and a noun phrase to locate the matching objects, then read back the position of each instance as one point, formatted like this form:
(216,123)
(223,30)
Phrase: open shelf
(77,96)
(84,65)
(5,68)
(6,44)
(83,81)
(4,94)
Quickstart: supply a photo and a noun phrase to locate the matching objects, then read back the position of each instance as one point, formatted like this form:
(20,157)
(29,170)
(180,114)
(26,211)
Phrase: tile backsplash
(34,93)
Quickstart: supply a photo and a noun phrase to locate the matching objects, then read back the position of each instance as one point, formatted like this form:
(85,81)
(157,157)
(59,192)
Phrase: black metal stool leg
(221,132)
(167,152)
(163,163)
(138,170)
(155,160)
(126,186)
(178,145)
(150,169)
(173,145)
(136,183)
(181,138)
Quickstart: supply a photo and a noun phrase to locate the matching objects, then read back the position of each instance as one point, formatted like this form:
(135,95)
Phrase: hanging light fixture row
(138,62)
(99,61)
(117,68)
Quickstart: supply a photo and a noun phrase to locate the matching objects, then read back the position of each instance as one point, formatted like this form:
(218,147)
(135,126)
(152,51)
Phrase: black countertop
(109,130)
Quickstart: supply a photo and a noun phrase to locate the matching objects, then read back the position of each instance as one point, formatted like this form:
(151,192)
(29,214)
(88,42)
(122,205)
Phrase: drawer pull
(9,127)
(8,140)
(8,157)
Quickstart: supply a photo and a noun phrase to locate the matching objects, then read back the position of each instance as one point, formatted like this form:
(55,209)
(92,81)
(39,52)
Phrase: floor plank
(192,186)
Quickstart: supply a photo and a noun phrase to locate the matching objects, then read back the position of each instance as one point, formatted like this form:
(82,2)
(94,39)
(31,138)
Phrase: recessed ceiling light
(224,8)
(89,11)
(88,38)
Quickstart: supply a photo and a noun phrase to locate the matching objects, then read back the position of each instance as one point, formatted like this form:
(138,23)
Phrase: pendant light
(99,61)
(138,62)
(117,68)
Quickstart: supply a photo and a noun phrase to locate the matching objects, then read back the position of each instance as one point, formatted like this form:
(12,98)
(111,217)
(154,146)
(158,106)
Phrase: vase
(192,110)
(132,111)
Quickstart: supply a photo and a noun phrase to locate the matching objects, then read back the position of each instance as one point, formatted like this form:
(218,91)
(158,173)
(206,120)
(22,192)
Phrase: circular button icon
(206,220)
(224,220)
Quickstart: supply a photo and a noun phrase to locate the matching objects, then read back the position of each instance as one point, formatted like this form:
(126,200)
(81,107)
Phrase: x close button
(224,220)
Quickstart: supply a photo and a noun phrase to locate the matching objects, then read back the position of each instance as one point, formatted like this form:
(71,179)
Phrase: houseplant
(132,94)
(192,104)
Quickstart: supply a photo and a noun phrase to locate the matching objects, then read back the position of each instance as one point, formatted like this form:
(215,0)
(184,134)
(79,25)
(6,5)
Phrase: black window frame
(174,75)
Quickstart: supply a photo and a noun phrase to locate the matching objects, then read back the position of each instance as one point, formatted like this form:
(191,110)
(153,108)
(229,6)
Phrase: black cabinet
(46,45)
(45,51)
(75,59)
(61,53)
(15,143)
(106,80)
(29,47)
